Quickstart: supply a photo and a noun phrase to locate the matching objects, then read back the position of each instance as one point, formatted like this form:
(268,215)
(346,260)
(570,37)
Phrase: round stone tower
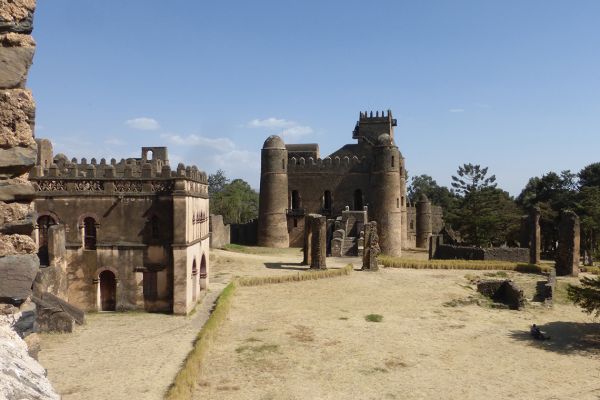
(386,207)
(423,228)
(272,221)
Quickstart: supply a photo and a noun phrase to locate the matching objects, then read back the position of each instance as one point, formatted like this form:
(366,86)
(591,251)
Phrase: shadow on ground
(566,338)
(298,266)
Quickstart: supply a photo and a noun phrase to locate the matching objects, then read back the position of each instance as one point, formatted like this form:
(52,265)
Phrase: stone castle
(124,235)
(364,177)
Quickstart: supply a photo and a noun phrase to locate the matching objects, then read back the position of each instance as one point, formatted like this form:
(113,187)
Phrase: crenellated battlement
(370,125)
(132,175)
(366,116)
(328,164)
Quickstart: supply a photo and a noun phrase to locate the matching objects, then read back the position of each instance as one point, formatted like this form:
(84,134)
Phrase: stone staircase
(346,233)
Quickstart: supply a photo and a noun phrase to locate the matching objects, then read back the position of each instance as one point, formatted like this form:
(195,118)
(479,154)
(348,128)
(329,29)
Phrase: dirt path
(310,340)
(126,356)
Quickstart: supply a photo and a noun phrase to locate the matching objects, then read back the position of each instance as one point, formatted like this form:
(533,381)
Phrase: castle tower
(272,221)
(385,195)
(424,228)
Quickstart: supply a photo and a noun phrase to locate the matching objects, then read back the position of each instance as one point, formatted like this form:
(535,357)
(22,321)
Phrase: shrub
(374,318)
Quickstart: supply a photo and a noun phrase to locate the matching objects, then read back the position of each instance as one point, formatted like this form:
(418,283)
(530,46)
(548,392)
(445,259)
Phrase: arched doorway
(296,202)
(203,268)
(108,291)
(358,200)
(44,223)
(194,281)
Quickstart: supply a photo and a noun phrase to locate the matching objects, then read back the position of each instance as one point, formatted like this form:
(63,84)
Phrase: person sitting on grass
(536,333)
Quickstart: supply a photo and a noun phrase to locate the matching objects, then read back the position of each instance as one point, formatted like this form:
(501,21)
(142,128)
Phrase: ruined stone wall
(449,252)
(568,254)
(220,234)
(245,234)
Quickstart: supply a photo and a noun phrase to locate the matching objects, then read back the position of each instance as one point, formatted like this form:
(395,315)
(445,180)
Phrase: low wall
(220,234)
(449,252)
(246,234)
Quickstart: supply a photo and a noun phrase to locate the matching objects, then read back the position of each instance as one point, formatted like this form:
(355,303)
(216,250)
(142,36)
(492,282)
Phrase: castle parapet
(328,164)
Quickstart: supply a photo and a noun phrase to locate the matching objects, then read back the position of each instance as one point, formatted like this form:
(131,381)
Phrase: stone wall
(449,252)
(21,377)
(220,234)
(246,234)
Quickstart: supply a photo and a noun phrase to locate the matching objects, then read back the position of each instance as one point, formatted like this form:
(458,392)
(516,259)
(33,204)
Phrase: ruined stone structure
(346,237)
(136,233)
(21,376)
(220,233)
(295,182)
(315,241)
(371,247)
(567,258)
(535,237)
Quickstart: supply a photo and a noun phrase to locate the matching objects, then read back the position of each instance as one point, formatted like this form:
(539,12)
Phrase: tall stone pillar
(535,238)
(424,228)
(315,241)
(567,260)
(272,220)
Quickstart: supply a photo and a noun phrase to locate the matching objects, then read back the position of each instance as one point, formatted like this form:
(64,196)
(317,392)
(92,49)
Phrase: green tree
(587,296)
(588,209)
(439,195)
(590,175)
(485,215)
(237,202)
(216,182)
(472,178)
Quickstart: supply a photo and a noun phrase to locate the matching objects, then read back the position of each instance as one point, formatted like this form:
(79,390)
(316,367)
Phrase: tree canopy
(236,201)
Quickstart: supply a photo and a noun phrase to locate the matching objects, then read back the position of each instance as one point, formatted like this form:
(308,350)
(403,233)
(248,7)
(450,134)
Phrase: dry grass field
(436,340)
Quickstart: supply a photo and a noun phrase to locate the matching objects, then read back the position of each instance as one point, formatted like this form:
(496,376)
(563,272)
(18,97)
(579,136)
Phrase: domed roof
(385,140)
(274,142)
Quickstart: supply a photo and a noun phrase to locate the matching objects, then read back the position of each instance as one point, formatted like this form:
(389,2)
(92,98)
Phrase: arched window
(296,202)
(149,155)
(44,223)
(283,163)
(89,233)
(393,161)
(327,200)
(154,227)
(358,200)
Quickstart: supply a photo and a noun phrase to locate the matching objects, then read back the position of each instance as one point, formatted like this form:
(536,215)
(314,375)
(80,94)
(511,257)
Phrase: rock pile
(21,376)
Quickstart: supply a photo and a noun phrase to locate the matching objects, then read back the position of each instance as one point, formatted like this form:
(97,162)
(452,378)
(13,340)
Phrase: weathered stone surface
(506,292)
(17,274)
(315,245)
(17,116)
(21,227)
(16,190)
(12,212)
(371,250)
(16,56)
(16,244)
(33,343)
(567,255)
(51,318)
(16,161)
(24,323)
(16,15)
(21,377)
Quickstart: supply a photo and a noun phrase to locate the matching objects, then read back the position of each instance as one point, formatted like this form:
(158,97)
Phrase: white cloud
(271,123)
(456,110)
(143,124)
(296,131)
(114,142)
(221,144)
(286,128)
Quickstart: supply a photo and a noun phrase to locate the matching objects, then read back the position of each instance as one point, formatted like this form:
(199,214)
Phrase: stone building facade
(136,232)
(370,173)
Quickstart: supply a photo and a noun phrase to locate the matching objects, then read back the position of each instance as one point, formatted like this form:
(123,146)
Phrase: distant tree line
(486,215)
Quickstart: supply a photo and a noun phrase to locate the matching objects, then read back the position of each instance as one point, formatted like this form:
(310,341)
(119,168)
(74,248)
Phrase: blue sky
(513,85)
